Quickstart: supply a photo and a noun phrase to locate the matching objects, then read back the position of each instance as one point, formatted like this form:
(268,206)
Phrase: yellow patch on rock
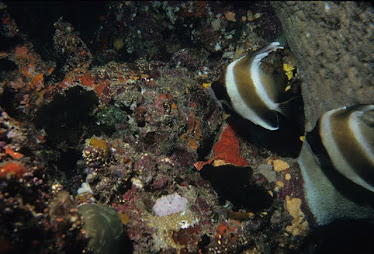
(288,69)
(299,226)
(280,184)
(230,16)
(280,165)
(287,177)
(206,85)
(118,43)
(218,163)
(269,161)
(124,218)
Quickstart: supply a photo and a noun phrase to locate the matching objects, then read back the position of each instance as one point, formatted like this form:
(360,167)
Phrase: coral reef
(96,152)
(110,140)
(70,46)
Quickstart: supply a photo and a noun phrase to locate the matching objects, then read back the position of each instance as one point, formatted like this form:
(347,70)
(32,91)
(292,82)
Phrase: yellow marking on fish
(302,138)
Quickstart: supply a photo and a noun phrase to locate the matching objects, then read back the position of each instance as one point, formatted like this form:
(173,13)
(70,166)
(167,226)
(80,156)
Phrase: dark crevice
(66,121)
(36,21)
(127,109)
(67,116)
(206,146)
(234,184)
(9,103)
(7,65)
(7,44)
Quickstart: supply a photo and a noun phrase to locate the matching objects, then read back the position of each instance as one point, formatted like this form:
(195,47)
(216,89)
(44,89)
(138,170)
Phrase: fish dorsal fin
(269,86)
(266,50)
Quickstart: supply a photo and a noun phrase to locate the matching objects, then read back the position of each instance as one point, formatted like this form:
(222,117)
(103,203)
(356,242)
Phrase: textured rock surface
(333,45)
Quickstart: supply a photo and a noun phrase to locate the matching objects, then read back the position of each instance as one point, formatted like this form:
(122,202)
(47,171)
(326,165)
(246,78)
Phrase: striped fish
(250,91)
(337,164)
(345,139)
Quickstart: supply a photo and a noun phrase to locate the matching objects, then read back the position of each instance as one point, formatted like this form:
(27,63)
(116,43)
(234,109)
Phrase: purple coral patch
(169,204)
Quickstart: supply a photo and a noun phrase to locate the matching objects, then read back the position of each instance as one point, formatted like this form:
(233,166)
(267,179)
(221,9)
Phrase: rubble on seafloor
(118,119)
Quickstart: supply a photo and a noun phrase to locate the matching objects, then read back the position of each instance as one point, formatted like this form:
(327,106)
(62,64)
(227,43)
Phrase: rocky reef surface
(328,37)
(110,141)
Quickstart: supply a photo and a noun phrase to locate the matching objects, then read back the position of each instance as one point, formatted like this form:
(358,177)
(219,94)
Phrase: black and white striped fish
(337,164)
(347,136)
(250,91)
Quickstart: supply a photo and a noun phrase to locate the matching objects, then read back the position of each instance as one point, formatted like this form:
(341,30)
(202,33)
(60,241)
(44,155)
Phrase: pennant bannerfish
(337,164)
(347,136)
(249,90)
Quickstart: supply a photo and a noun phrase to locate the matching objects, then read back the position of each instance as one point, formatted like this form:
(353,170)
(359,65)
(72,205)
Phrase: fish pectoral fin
(284,107)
